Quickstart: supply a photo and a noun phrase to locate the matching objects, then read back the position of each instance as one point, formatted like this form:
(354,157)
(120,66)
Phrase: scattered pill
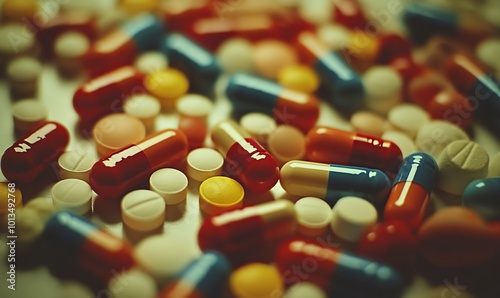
(336,37)
(194,105)
(143,107)
(71,194)
(270,56)
(23,74)
(143,210)
(76,164)
(235,55)
(9,50)
(434,136)
(256,280)
(482,196)
(167,85)
(299,78)
(44,206)
(258,125)
(369,123)
(383,87)
(203,163)
(28,114)
(408,118)
(304,289)
(169,183)
(313,216)
(352,217)
(69,48)
(487,51)
(132,283)
(220,194)
(151,61)
(404,142)
(286,143)
(317,12)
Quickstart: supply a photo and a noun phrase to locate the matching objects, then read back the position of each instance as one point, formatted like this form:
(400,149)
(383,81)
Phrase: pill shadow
(256,198)
(134,236)
(175,212)
(107,209)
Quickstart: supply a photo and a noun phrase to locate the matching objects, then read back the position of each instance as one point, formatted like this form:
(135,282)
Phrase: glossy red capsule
(330,145)
(31,155)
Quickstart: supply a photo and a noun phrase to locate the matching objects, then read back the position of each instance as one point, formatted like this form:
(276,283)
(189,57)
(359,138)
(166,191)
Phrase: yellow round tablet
(220,194)
(256,280)
(167,85)
(10,197)
(299,78)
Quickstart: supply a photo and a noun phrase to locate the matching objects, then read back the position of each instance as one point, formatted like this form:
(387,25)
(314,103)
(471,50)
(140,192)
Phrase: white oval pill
(434,136)
(258,125)
(234,55)
(286,143)
(76,164)
(313,216)
(194,105)
(28,114)
(74,195)
(203,163)
(383,87)
(151,61)
(143,210)
(131,284)
(404,142)
(351,217)
(170,184)
(408,118)
(144,107)
(304,289)
(23,74)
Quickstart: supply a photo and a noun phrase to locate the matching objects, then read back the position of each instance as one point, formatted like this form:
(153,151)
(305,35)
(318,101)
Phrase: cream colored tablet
(336,37)
(28,114)
(69,49)
(23,74)
(351,217)
(286,143)
(369,123)
(194,105)
(151,61)
(203,163)
(132,283)
(304,289)
(434,136)
(258,125)
(494,166)
(235,55)
(73,195)
(171,184)
(76,164)
(487,52)
(408,118)
(313,216)
(383,87)
(143,210)
(145,108)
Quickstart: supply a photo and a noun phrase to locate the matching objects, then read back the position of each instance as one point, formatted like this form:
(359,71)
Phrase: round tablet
(383,88)
(408,118)
(131,284)
(163,258)
(194,105)
(460,163)
(304,289)
(10,197)
(256,280)
(143,210)
(114,131)
(28,114)
(203,163)
(170,184)
(23,74)
(434,136)
(286,143)
(487,52)
(76,164)
(404,142)
(167,85)
(7,47)
(368,123)
(69,48)
(316,12)
(151,61)
(219,194)
(336,37)
(270,56)
(351,217)
(258,125)
(235,55)
(74,195)
(494,166)
(144,107)
(298,77)
(313,216)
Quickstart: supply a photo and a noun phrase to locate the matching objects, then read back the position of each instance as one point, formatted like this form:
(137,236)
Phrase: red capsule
(392,46)
(451,106)
(31,155)
(195,129)
(179,15)
(350,14)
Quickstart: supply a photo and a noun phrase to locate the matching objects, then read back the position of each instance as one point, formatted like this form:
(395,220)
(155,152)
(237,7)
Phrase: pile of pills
(252,149)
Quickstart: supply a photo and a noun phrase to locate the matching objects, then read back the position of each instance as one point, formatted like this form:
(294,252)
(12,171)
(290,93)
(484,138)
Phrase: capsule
(411,190)
(120,47)
(483,196)
(198,64)
(342,85)
(204,277)
(246,160)
(130,167)
(349,13)
(245,230)
(330,145)
(332,182)
(251,94)
(105,94)
(96,250)
(341,274)
(34,153)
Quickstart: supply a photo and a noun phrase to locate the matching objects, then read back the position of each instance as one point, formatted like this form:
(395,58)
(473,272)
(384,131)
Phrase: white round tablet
(383,87)
(286,143)
(144,107)
(351,217)
(336,37)
(74,195)
(304,289)
(369,123)
(171,184)
(203,163)
(404,142)
(234,55)
(258,125)
(71,44)
(434,136)
(76,164)
(194,105)
(494,166)
(143,210)
(151,61)
(487,52)
(313,216)
(28,114)
(23,74)
(132,284)
(408,118)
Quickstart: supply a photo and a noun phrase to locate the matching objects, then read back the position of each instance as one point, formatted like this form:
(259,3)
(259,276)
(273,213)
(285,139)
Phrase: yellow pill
(16,10)
(362,50)
(256,280)
(167,85)
(299,77)
(220,194)
(10,197)
(138,6)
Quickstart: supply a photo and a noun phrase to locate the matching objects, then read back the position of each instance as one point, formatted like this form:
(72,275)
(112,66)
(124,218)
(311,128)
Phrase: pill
(76,164)
(304,289)
(411,190)
(11,197)
(408,118)
(460,163)
(31,155)
(151,61)
(73,195)
(286,143)
(256,280)
(270,56)
(339,273)
(28,114)
(334,36)
(319,12)
(393,46)
(203,277)
(235,55)
(69,48)
(258,125)
(249,93)
(195,129)
(220,194)
(115,131)
(362,51)
(167,85)
(194,105)
(383,87)
(143,210)
(162,258)
(298,77)
(203,163)
(369,123)
(43,206)
(126,169)
(350,14)
(313,216)
(23,74)
(486,52)
(90,247)
(171,184)
(354,149)
(352,217)
(245,159)
(7,50)
(143,107)
(494,166)
(29,227)
(138,283)
(451,106)
(435,135)
(423,87)
(482,196)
